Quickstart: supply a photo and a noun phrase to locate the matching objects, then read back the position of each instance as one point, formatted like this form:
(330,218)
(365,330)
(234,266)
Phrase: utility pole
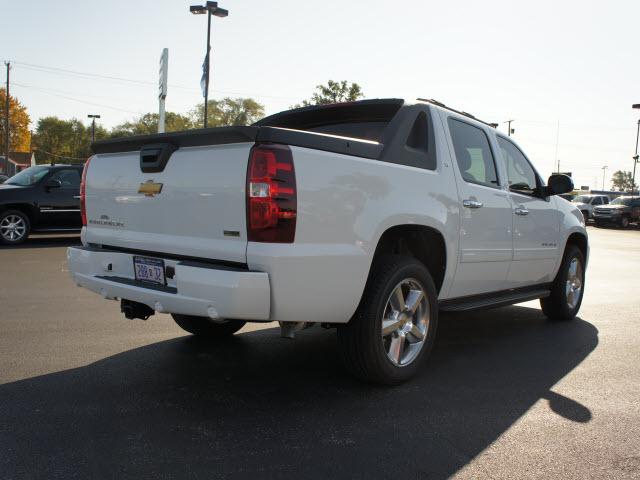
(557,140)
(509,129)
(93,126)
(5,167)
(635,157)
(635,161)
(604,172)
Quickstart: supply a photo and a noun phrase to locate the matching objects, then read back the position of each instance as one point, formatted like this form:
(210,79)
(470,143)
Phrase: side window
(605,200)
(521,176)
(473,153)
(69,178)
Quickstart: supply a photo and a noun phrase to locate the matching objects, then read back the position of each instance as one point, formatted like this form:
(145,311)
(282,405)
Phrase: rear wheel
(14,227)
(395,325)
(567,289)
(206,328)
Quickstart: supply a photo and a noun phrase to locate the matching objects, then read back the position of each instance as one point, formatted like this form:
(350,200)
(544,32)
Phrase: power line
(87,75)
(59,156)
(66,97)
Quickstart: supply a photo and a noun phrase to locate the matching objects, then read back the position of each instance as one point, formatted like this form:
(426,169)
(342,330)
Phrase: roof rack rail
(466,114)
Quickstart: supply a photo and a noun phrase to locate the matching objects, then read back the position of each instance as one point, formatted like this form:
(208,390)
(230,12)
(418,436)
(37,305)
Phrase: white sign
(164,73)
(162,87)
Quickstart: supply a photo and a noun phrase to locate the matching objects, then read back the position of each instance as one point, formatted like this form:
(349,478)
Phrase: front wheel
(624,222)
(14,227)
(206,328)
(567,289)
(395,325)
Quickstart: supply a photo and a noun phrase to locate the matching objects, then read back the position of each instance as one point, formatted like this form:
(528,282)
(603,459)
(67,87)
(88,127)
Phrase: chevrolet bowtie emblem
(150,188)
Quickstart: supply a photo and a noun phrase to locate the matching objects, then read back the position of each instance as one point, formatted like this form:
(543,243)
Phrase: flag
(203,80)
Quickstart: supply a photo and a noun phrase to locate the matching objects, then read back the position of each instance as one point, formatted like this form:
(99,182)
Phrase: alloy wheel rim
(574,283)
(12,228)
(405,322)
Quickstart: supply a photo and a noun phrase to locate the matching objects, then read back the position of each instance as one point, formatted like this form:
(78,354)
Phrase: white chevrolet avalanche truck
(371,217)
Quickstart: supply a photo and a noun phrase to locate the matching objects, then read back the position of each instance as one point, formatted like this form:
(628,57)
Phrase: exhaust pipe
(289,329)
(134,310)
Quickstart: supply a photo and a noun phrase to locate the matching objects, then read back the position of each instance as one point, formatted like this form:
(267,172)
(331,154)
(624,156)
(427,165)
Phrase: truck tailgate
(197,210)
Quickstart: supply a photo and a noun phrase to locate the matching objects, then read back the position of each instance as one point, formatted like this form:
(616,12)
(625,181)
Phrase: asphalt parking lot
(85,393)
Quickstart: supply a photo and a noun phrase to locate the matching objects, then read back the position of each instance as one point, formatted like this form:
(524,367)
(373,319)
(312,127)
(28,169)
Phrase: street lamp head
(198,9)
(93,116)
(220,12)
(636,105)
(211,7)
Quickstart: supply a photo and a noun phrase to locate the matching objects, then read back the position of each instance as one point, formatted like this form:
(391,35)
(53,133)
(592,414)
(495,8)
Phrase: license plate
(149,270)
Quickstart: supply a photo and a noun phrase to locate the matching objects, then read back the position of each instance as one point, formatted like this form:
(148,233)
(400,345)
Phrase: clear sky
(539,63)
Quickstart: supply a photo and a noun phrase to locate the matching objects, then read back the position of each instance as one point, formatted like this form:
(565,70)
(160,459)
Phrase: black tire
(585,214)
(206,328)
(361,342)
(556,306)
(21,235)
(624,222)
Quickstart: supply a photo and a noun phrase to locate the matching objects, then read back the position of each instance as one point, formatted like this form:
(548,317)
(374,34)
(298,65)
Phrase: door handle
(471,203)
(77,197)
(521,211)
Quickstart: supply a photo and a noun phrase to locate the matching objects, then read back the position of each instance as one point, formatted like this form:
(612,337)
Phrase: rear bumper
(196,289)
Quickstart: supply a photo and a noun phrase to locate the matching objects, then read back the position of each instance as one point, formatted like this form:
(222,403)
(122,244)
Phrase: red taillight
(271,194)
(83,193)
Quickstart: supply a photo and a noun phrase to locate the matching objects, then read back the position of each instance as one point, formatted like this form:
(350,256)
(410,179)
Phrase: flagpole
(210,8)
(206,85)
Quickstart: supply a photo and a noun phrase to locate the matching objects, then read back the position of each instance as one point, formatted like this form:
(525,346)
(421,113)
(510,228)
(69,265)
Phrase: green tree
(622,181)
(64,141)
(228,111)
(334,92)
(19,137)
(147,124)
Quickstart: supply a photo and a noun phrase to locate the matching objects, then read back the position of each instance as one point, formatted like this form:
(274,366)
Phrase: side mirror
(559,184)
(52,184)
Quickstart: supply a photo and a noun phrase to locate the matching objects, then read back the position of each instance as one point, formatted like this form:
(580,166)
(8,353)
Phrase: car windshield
(582,199)
(622,201)
(30,176)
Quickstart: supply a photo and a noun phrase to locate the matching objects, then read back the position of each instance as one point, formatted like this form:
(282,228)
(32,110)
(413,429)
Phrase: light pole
(604,172)
(210,8)
(93,126)
(635,157)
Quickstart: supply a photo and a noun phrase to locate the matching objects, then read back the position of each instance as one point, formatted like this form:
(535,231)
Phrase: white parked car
(369,216)
(586,203)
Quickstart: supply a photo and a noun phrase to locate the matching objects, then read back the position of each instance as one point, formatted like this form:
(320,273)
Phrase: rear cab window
(364,120)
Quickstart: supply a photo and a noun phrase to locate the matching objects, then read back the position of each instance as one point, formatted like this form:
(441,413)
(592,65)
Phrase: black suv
(40,198)
(622,211)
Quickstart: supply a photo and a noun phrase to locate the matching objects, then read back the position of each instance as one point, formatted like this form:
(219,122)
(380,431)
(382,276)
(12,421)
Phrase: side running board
(493,300)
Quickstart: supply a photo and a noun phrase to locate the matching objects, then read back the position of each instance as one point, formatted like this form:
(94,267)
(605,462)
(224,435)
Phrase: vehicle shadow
(46,241)
(261,406)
